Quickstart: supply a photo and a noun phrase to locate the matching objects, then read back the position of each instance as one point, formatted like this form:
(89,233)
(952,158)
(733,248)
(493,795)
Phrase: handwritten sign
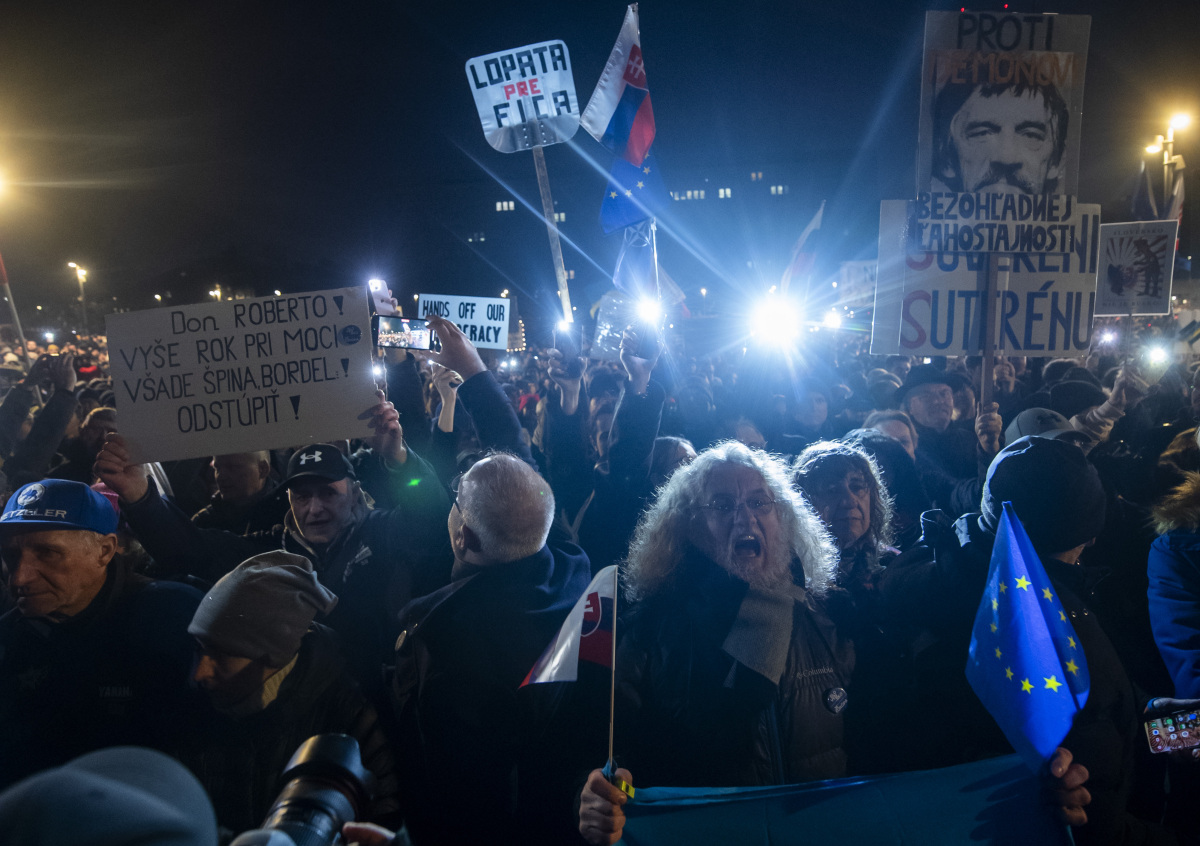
(242,375)
(525,97)
(484,320)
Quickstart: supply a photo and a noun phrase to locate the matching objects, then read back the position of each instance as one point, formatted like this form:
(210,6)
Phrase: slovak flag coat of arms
(586,634)
(619,115)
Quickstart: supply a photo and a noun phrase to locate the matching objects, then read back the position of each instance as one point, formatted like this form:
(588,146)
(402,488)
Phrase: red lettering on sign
(509,90)
(523,89)
(533,86)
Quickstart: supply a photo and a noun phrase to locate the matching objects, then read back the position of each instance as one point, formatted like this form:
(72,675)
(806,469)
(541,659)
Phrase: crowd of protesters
(803,538)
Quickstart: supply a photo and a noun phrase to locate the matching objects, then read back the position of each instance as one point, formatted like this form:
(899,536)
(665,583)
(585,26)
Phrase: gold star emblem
(1008,673)
(646,169)
(995,605)
(1023,583)
(1046,593)
(1072,668)
(612,194)
(1026,686)
(628,193)
(1003,587)
(641,184)
(993,628)
(1053,683)
(997,651)
(1063,617)
(1071,642)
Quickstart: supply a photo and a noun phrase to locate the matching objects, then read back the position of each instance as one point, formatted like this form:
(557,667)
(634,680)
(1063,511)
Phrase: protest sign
(1043,303)
(242,375)
(994,223)
(484,320)
(1137,262)
(1001,102)
(525,97)
(889,287)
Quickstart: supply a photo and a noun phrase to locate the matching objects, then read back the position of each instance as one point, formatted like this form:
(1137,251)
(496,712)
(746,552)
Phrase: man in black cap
(951,460)
(91,655)
(375,560)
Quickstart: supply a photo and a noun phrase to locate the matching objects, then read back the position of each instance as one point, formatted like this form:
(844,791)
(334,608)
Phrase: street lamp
(81,275)
(1171,162)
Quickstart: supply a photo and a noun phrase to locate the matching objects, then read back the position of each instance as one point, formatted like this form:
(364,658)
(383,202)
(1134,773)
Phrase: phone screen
(1180,730)
(381,297)
(407,333)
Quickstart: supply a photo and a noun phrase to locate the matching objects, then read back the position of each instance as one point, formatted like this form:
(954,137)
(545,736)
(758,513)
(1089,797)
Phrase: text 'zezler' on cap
(58,504)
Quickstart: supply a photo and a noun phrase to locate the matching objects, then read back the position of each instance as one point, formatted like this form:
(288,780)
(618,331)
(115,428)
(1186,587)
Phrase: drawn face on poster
(1001,103)
(998,128)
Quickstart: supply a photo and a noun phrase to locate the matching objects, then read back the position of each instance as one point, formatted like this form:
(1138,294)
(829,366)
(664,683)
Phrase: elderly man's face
(239,476)
(55,573)
(321,509)
(739,526)
(931,405)
(1005,143)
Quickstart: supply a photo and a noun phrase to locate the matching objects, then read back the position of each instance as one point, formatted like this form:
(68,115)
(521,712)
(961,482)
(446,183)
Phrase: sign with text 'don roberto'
(243,375)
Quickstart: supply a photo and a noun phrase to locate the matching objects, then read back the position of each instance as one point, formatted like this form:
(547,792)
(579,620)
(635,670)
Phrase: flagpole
(560,271)
(612,690)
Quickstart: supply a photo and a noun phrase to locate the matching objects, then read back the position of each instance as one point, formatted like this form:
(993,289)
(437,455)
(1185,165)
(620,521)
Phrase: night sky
(139,138)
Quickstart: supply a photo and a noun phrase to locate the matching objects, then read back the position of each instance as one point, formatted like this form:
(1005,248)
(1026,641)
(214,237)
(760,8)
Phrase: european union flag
(1025,662)
(634,193)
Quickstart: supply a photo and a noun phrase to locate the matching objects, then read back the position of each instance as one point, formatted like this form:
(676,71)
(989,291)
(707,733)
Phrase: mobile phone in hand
(1179,730)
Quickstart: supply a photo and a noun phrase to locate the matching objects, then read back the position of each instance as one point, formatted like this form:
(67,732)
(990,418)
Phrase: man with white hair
(729,671)
(466,724)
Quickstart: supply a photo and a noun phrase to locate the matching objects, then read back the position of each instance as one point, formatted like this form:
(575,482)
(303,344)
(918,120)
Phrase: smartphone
(381,297)
(405,333)
(1180,730)
(649,339)
(564,342)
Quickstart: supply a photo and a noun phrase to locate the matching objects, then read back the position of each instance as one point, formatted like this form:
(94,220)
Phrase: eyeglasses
(454,485)
(727,506)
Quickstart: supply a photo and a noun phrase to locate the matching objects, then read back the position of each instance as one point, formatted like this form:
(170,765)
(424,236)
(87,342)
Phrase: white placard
(525,97)
(242,375)
(1137,263)
(484,320)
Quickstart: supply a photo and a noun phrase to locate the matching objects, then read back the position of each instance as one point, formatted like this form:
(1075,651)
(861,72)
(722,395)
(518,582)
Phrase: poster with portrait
(1134,274)
(1001,102)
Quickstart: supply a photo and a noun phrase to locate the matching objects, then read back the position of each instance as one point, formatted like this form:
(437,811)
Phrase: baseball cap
(1042,423)
(58,504)
(318,461)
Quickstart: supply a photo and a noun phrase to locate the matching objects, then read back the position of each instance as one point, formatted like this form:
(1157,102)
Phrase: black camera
(325,785)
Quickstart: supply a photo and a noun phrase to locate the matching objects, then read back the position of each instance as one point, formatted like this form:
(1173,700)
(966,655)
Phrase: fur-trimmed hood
(1179,509)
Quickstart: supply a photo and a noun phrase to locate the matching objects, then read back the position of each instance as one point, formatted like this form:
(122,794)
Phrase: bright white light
(158,298)
(278,292)
(1180,121)
(704,292)
(649,311)
(563,326)
(512,362)
(376,370)
(376,284)
(1108,336)
(1157,355)
(49,336)
(1154,148)
(775,322)
(833,320)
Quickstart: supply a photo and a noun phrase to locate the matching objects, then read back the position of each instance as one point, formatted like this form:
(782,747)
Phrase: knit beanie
(262,608)
(1055,491)
(1071,398)
(120,796)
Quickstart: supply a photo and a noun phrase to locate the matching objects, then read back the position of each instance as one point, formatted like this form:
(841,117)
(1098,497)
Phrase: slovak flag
(619,115)
(586,634)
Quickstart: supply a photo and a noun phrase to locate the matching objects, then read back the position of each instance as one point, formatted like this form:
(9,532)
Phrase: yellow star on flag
(641,184)
(1046,593)
(1063,617)
(1026,686)
(612,194)
(1003,587)
(1073,668)
(628,193)
(993,628)
(646,169)
(997,651)
(995,605)
(1071,642)
(1023,583)
(1053,683)
(1008,673)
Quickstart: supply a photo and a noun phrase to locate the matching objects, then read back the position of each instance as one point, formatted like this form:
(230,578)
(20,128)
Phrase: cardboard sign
(484,320)
(525,97)
(1001,102)
(1044,303)
(1137,263)
(242,375)
(994,223)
